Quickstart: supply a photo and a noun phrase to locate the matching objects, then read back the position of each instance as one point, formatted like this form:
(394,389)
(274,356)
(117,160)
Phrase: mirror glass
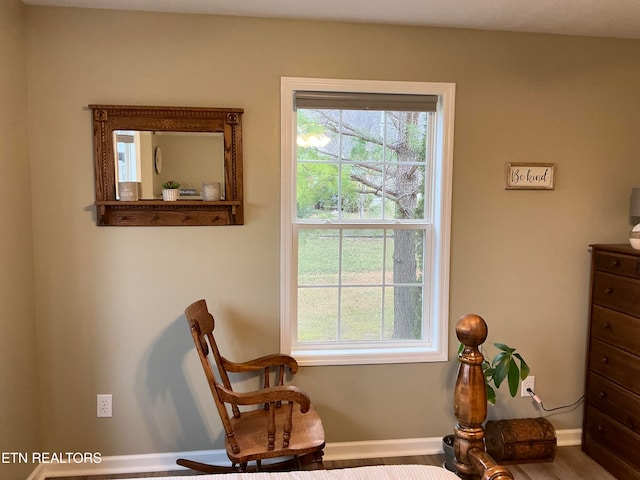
(154,157)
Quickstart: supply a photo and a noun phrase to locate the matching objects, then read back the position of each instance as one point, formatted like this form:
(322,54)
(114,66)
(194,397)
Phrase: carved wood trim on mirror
(117,162)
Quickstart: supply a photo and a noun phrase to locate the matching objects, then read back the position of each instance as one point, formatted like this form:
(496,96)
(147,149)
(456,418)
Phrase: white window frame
(441,189)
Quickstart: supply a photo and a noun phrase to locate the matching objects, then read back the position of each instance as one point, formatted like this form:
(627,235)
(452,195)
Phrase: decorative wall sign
(529,176)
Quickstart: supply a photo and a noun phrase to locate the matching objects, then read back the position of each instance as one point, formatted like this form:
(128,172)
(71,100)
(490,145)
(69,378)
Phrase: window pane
(317,314)
(317,190)
(362,135)
(369,165)
(405,256)
(406,136)
(315,138)
(362,191)
(403,310)
(360,314)
(362,257)
(405,187)
(318,257)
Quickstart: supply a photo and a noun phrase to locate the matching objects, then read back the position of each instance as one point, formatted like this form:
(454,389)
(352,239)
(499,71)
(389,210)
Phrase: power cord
(538,400)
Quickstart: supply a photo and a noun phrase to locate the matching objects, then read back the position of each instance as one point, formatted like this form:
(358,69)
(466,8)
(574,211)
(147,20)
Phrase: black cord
(537,399)
(564,406)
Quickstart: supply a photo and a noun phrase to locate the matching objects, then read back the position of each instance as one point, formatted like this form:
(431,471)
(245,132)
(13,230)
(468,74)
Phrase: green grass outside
(363,257)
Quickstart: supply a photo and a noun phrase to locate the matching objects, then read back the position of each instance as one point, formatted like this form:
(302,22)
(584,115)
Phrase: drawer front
(616,365)
(615,401)
(609,460)
(613,437)
(619,293)
(617,263)
(616,328)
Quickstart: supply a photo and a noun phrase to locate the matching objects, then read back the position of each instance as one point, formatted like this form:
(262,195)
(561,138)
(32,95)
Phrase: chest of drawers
(611,430)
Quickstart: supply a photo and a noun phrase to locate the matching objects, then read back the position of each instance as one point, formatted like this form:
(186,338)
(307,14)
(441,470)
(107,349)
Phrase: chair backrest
(202,323)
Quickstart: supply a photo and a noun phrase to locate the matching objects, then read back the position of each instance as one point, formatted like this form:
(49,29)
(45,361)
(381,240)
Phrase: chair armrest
(274,360)
(267,395)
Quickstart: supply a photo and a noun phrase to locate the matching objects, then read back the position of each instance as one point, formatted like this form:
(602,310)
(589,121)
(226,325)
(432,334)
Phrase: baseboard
(569,437)
(161,462)
(383,448)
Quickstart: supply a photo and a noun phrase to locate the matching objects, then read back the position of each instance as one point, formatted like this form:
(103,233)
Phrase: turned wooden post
(470,406)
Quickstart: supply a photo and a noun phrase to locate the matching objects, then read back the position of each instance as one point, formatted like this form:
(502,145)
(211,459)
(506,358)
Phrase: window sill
(311,356)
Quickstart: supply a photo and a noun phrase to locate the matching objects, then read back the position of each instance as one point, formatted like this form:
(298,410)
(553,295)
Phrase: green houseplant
(170,191)
(507,365)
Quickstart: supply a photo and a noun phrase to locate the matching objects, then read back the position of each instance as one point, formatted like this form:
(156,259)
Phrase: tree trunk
(406,305)
(404,272)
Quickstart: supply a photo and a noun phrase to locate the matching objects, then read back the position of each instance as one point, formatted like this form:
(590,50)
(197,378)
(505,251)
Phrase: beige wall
(110,301)
(18,374)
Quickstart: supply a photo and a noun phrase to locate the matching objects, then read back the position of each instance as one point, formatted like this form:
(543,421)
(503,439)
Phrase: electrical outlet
(105,407)
(528,382)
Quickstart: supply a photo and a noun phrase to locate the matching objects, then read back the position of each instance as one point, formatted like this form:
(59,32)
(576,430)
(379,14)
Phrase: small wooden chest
(524,440)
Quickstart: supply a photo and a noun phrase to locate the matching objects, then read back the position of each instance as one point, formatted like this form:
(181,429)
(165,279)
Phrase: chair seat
(307,435)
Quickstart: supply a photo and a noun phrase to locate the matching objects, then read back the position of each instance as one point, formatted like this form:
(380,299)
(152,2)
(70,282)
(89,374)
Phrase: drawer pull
(599,429)
(615,263)
(608,291)
(602,394)
(605,360)
(606,325)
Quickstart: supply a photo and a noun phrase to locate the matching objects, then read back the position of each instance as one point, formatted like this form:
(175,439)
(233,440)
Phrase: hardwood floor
(570,464)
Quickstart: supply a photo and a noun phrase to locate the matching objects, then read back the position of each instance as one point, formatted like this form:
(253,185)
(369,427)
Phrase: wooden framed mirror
(138,148)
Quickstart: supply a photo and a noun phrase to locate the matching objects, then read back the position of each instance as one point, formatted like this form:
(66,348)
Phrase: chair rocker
(282,427)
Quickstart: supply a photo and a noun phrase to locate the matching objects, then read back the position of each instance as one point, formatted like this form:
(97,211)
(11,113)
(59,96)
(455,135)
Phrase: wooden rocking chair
(282,425)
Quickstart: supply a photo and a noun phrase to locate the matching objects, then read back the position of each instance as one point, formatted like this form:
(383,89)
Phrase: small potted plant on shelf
(170,191)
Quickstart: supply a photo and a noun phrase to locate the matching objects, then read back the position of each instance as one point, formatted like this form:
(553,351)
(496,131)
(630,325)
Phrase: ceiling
(599,18)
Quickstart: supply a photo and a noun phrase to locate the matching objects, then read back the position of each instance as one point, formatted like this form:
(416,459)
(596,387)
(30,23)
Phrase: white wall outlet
(105,407)
(528,382)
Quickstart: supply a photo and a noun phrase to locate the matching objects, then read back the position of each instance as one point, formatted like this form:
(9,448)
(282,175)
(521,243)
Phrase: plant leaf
(524,368)
(491,395)
(500,358)
(504,348)
(501,370)
(514,378)
(487,368)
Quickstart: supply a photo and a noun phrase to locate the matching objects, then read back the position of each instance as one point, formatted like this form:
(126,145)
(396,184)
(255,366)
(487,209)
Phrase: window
(127,164)
(366,200)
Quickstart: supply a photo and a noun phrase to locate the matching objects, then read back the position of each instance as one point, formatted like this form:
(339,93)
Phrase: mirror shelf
(109,121)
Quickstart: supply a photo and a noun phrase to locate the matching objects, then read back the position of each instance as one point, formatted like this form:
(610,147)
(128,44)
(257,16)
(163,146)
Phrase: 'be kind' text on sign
(531,176)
